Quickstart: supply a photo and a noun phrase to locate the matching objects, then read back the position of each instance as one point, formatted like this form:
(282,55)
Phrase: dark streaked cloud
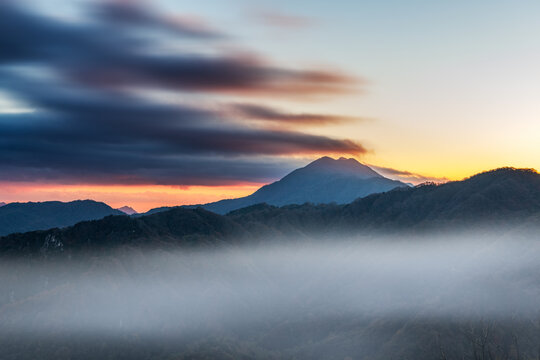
(219,74)
(72,114)
(87,126)
(259,112)
(138,168)
(99,136)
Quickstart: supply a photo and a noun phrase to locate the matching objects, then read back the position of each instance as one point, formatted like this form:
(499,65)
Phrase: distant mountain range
(22,217)
(498,197)
(2,203)
(323,181)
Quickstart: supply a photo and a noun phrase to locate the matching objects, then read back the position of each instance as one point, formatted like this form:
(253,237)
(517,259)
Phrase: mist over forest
(365,297)
(445,271)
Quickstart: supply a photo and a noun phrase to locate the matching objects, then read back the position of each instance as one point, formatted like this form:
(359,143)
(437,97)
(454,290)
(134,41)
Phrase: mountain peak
(2,203)
(323,181)
(127,210)
(341,166)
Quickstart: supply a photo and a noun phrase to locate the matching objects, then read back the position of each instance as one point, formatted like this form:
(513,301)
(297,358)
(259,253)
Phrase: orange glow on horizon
(140,197)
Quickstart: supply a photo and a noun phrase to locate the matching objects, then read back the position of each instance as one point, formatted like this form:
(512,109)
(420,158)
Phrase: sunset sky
(152,103)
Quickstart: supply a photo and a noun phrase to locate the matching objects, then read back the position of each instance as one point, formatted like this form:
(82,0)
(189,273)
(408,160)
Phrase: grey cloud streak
(100,137)
(258,112)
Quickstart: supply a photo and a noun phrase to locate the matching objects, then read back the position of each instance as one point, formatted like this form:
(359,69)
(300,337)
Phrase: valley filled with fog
(359,297)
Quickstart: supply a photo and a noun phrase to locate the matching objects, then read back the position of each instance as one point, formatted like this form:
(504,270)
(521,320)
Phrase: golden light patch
(140,197)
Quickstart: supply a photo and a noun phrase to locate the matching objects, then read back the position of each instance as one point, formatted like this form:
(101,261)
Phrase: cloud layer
(93,122)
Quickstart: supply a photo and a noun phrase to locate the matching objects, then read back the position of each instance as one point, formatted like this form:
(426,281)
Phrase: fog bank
(186,292)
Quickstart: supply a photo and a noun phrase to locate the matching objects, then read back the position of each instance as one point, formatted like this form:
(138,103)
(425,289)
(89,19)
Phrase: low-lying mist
(339,286)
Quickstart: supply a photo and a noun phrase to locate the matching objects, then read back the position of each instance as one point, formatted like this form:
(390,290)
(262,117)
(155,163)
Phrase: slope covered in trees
(22,217)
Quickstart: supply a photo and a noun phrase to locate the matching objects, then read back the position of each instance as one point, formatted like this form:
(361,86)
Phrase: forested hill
(22,217)
(497,196)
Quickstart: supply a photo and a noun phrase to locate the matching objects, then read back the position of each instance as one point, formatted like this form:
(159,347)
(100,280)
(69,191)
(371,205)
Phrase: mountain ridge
(29,216)
(495,198)
(127,210)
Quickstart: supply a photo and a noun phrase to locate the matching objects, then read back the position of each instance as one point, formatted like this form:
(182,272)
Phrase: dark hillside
(22,217)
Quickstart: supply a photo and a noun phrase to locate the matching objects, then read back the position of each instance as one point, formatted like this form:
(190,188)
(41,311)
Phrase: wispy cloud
(260,112)
(280,19)
(408,176)
(136,14)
